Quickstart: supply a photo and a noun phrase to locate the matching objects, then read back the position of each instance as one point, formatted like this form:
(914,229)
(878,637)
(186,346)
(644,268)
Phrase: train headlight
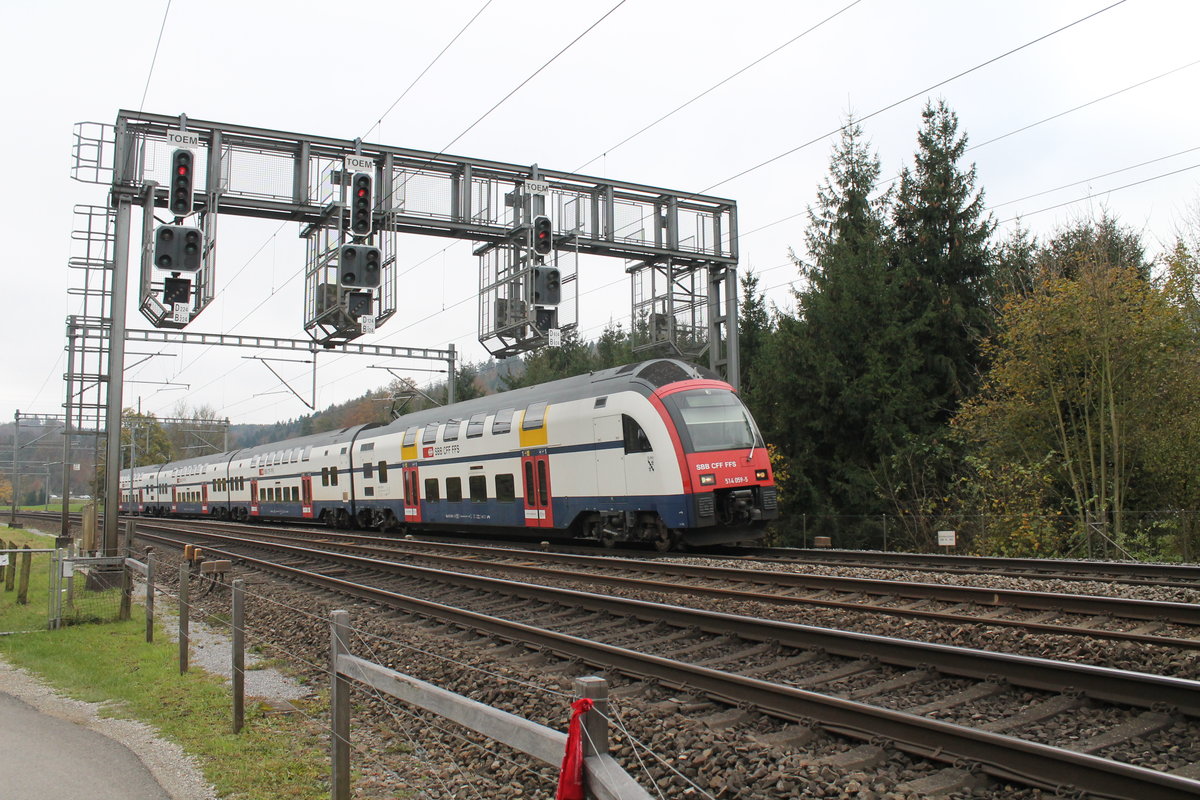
(760,474)
(708,480)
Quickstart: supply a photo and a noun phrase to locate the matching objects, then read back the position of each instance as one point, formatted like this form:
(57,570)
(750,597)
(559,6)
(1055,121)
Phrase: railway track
(1046,723)
(1167,624)
(1184,576)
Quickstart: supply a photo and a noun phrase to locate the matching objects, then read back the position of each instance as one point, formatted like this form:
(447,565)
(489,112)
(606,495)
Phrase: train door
(253,498)
(306,503)
(609,456)
(141,500)
(174,499)
(535,473)
(204,498)
(412,495)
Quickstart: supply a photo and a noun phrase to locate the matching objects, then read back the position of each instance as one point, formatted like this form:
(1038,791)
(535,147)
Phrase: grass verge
(276,757)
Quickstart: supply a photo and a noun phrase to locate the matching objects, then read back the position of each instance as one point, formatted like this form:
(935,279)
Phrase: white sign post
(360,164)
(947,539)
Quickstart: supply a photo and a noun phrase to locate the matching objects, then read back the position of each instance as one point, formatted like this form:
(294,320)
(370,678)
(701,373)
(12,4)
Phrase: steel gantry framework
(270,174)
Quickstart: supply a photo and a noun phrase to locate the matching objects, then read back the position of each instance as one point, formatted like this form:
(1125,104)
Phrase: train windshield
(712,419)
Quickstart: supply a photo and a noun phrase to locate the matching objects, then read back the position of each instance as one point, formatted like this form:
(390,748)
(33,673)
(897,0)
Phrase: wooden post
(339,708)
(10,576)
(183,618)
(239,655)
(149,594)
(4,569)
(23,588)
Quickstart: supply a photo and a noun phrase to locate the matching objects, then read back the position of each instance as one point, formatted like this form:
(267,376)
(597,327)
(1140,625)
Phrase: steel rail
(1159,611)
(1102,683)
(1003,756)
(1026,567)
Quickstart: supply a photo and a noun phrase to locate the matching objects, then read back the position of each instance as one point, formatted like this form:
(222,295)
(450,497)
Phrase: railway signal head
(362,204)
(183,164)
(178,248)
(547,286)
(360,266)
(543,237)
(359,304)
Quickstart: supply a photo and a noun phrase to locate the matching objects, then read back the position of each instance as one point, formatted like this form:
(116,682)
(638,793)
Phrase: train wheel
(667,540)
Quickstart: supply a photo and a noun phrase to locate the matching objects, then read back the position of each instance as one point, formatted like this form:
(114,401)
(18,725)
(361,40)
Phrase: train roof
(311,440)
(644,377)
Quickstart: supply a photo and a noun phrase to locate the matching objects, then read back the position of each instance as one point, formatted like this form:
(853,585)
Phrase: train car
(660,452)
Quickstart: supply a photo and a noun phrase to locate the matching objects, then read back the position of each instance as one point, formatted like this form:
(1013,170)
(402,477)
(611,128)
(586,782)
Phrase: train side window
(324,476)
(529,483)
(506,489)
(636,440)
(454,489)
(366,448)
(450,434)
(431,489)
(383,472)
(333,475)
(535,416)
(475,425)
(503,421)
(307,453)
(368,470)
(601,402)
(543,484)
(410,436)
(430,435)
(478,487)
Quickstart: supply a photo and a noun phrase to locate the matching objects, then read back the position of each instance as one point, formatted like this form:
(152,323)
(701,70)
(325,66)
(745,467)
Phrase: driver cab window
(636,440)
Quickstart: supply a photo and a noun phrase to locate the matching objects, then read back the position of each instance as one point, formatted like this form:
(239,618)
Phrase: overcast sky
(285,65)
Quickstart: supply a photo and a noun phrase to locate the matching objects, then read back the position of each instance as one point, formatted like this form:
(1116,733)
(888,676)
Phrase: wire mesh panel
(85,590)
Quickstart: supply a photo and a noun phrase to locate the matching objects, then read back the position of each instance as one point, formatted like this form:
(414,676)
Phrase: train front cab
(727,470)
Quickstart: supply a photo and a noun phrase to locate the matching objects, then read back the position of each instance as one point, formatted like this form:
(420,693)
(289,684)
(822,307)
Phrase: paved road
(42,756)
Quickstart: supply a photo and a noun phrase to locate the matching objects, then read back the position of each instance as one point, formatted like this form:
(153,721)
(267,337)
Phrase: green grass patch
(276,757)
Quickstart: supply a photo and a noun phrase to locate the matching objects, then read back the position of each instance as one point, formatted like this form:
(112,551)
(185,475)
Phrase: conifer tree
(943,268)
(830,388)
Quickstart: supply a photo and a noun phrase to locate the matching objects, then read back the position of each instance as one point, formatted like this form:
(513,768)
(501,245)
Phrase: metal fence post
(126,575)
(149,594)
(239,655)
(183,618)
(339,707)
(595,722)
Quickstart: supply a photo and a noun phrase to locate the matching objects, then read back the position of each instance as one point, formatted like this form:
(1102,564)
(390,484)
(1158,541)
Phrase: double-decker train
(660,452)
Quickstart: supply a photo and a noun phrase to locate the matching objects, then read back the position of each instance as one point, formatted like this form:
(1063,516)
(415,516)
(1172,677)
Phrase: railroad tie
(1036,712)
(977,691)
(1142,724)
(942,783)
(898,682)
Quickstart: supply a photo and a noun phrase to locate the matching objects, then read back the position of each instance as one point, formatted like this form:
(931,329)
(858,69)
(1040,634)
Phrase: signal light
(178,248)
(359,265)
(543,238)
(547,286)
(182,174)
(359,304)
(176,290)
(362,204)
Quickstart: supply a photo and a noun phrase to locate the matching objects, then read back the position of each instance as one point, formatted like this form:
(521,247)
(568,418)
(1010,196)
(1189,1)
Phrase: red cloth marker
(570,777)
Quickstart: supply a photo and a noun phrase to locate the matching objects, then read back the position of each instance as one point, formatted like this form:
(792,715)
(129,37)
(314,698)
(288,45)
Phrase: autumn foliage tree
(1091,402)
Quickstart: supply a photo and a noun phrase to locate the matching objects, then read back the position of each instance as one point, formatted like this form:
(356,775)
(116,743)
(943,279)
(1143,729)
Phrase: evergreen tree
(944,270)
(754,327)
(829,377)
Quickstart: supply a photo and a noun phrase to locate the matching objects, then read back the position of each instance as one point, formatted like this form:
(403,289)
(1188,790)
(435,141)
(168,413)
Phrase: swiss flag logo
(427,452)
